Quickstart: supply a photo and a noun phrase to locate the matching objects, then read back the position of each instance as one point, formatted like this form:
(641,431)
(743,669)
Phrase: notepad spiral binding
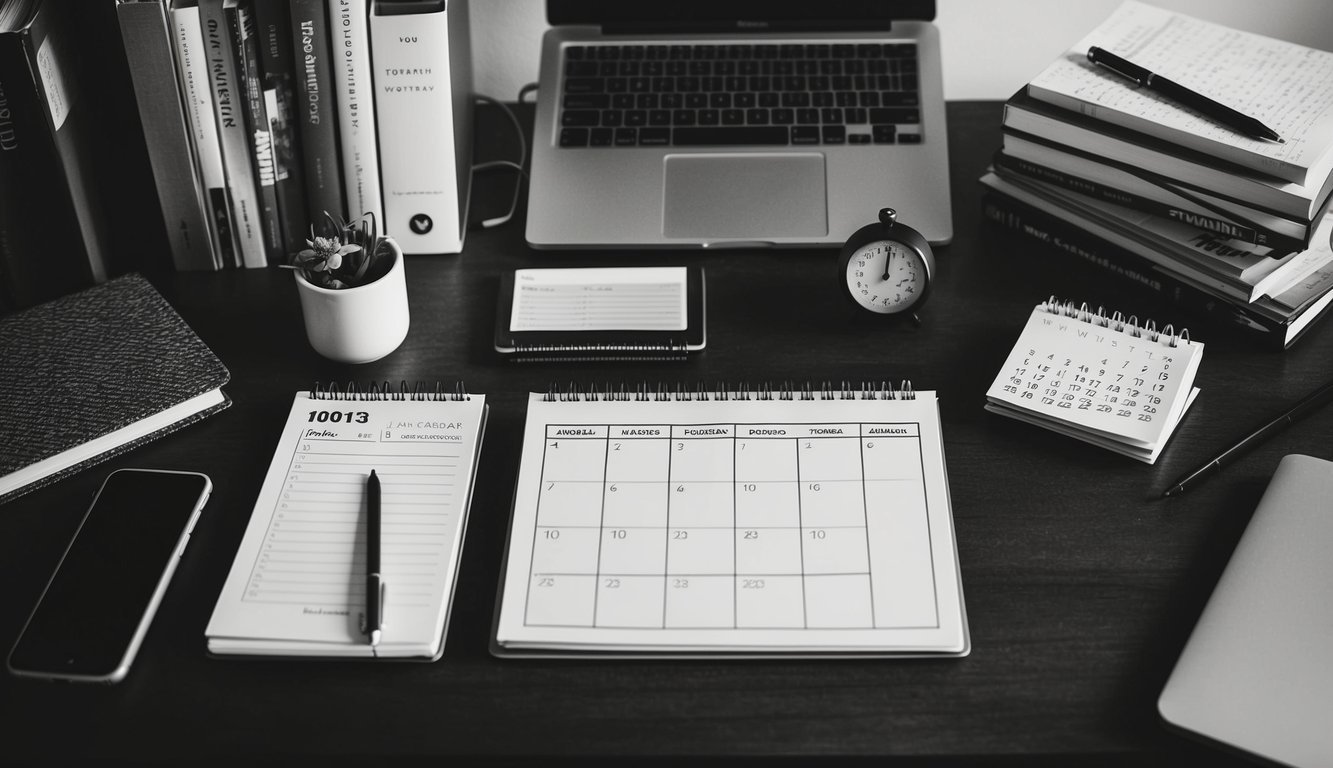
(1117,322)
(386,391)
(662,392)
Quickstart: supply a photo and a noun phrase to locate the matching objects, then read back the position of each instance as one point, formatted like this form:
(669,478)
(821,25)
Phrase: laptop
(1257,672)
(737,123)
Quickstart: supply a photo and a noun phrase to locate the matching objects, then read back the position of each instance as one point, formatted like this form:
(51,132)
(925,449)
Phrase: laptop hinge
(747,27)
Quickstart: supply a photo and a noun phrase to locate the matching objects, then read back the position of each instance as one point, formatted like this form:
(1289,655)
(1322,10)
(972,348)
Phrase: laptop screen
(757,12)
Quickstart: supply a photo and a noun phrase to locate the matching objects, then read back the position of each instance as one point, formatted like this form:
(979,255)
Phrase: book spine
(1128,269)
(316,113)
(1228,228)
(356,107)
(228,97)
(42,252)
(53,57)
(147,37)
(241,23)
(27,175)
(273,27)
(197,93)
(423,122)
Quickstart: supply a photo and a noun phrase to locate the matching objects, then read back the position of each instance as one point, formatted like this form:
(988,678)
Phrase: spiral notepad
(1104,379)
(297,584)
(777,520)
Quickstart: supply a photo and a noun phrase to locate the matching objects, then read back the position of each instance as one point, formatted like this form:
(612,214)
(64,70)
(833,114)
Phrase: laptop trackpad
(745,196)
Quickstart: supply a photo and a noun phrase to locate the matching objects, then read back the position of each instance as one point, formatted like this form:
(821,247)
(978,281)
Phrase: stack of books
(256,118)
(1224,224)
(262,116)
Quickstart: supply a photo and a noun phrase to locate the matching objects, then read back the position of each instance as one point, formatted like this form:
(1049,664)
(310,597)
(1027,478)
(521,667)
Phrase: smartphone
(94,613)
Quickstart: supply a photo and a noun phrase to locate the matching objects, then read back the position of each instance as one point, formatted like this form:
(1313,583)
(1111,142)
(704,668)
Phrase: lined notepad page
(599,299)
(297,585)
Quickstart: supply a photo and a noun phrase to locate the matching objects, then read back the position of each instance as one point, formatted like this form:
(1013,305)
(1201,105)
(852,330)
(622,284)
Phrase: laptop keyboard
(740,94)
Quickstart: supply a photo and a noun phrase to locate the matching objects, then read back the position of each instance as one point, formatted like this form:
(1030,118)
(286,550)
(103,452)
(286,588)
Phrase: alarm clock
(886,268)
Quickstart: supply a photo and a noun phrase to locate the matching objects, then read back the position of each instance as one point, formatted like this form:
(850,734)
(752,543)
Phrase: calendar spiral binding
(386,391)
(545,353)
(661,392)
(1117,322)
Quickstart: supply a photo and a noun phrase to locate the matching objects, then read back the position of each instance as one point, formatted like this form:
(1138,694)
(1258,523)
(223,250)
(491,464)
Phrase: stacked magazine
(1230,226)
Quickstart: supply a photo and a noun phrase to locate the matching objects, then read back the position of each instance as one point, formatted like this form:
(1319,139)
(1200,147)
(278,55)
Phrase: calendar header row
(728,431)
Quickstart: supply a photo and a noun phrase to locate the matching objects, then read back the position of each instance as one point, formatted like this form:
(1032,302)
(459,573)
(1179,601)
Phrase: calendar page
(1101,379)
(733,526)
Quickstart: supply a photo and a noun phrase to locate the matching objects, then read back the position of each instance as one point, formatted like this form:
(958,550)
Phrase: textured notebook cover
(90,363)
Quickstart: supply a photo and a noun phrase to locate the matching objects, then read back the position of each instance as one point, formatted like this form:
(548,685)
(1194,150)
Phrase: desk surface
(1081,586)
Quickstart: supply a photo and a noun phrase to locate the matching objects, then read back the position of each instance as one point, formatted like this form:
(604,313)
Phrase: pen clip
(384,590)
(1125,69)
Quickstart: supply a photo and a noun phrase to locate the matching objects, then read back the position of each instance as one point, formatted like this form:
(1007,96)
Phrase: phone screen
(96,608)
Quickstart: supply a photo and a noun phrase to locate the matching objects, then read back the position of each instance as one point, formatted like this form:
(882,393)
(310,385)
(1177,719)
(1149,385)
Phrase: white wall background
(991,47)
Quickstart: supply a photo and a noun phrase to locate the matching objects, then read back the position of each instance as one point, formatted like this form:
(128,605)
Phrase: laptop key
(657,137)
(895,115)
(579,117)
(883,134)
(834,134)
(587,101)
(805,134)
(724,135)
(600,137)
(573,137)
(585,85)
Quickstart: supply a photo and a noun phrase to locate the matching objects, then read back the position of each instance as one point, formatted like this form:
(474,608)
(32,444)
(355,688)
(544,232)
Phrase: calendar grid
(615,517)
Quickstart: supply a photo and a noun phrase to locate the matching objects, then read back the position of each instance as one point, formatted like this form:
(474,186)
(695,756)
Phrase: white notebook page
(599,299)
(1286,86)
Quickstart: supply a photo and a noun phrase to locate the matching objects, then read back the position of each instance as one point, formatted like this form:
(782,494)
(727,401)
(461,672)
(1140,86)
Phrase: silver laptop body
(672,196)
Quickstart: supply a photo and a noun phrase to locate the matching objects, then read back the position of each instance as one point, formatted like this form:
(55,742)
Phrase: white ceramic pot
(361,324)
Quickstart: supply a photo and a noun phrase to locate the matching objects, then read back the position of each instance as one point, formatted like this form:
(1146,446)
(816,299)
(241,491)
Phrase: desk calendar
(1103,379)
(722,523)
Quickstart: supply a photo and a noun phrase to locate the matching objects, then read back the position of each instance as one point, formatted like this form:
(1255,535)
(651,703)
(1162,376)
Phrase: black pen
(1179,93)
(374,582)
(1301,409)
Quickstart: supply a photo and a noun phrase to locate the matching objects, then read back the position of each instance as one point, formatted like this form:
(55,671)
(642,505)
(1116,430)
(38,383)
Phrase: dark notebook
(94,374)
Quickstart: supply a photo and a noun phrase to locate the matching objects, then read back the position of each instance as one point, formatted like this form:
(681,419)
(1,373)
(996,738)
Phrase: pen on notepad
(1182,95)
(374,582)
(1304,407)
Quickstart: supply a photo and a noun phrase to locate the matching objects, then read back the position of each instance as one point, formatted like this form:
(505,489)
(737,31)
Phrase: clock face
(885,276)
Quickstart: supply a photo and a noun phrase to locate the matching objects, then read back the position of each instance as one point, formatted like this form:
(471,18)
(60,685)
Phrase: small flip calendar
(779,521)
(1104,379)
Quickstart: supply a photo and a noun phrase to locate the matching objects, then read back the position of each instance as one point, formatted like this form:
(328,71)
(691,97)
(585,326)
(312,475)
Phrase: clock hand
(888,259)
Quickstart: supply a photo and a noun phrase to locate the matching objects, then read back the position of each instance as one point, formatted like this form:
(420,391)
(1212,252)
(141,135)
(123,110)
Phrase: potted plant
(353,292)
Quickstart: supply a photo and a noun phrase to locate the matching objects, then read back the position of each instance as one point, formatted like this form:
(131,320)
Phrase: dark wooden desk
(1081,587)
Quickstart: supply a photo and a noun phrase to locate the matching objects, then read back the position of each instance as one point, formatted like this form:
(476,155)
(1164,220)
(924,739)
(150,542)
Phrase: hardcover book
(245,42)
(94,374)
(52,226)
(356,108)
(276,68)
(228,106)
(423,112)
(149,50)
(316,111)
(1286,86)
(197,94)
